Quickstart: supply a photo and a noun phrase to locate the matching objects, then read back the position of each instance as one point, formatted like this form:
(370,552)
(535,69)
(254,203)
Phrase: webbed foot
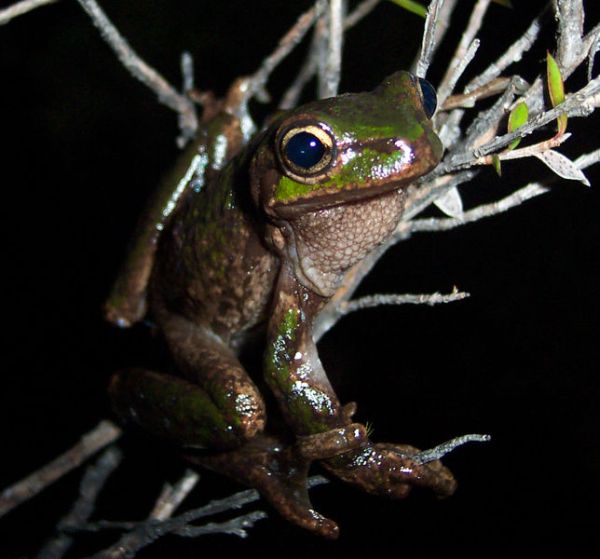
(279,474)
(391,470)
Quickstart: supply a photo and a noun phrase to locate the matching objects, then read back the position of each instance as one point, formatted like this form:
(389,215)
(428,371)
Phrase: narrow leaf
(497,165)
(562,166)
(517,118)
(411,6)
(556,90)
(450,203)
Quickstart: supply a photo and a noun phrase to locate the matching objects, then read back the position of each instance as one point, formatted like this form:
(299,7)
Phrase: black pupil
(304,150)
(429,97)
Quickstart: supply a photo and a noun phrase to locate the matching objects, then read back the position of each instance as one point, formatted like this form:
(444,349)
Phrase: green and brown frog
(251,244)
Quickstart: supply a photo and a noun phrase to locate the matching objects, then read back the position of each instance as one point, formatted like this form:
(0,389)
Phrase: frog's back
(212,265)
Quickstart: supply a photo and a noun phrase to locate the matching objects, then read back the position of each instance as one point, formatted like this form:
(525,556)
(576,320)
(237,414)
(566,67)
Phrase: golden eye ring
(306,152)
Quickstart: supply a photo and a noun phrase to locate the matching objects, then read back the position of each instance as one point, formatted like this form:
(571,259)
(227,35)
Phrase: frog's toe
(391,470)
(279,474)
(433,475)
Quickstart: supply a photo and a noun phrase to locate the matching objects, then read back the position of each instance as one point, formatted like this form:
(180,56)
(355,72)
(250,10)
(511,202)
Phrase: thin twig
(172,496)
(514,53)
(361,11)
(569,15)
(467,38)
(235,527)
(21,8)
(149,531)
(187,72)
(295,34)
(167,94)
(446,90)
(309,67)
(91,484)
(429,42)
(486,210)
(102,435)
(377,300)
(514,199)
(439,451)
(333,62)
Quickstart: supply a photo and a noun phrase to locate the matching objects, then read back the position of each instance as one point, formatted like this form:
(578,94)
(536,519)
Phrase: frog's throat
(325,243)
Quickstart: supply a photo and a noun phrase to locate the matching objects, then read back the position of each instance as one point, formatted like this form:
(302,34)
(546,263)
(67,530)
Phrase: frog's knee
(248,417)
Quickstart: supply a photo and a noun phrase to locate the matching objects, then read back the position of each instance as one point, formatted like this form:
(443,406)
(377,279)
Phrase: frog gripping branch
(267,243)
(263,236)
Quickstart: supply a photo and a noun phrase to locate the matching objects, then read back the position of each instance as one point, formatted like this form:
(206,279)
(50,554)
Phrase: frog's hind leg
(217,407)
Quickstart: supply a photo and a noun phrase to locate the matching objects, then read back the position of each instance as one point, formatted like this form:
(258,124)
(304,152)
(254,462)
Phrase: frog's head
(347,148)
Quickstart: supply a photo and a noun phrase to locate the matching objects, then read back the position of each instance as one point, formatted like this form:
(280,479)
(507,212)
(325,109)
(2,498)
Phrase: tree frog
(249,247)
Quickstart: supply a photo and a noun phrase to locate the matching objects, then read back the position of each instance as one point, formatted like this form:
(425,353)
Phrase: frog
(248,248)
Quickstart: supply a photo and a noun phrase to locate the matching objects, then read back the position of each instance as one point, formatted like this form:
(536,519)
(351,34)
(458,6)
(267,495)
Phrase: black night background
(83,146)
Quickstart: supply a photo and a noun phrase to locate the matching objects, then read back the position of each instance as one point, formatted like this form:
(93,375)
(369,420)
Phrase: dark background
(83,145)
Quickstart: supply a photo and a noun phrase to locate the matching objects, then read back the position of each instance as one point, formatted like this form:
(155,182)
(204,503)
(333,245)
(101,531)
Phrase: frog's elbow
(124,314)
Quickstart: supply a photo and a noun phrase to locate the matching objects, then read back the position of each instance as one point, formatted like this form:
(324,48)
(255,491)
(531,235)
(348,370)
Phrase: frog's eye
(428,96)
(306,150)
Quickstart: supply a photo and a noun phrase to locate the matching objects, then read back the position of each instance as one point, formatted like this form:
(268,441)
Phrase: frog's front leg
(296,376)
(218,416)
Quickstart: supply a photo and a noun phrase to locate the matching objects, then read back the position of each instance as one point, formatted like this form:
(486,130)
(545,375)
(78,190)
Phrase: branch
(310,65)
(439,451)
(475,21)
(92,483)
(521,195)
(102,435)
(21,8)
(258,80)
(377,300)
(167,94)
(172,496)
(145,533)
(329,78)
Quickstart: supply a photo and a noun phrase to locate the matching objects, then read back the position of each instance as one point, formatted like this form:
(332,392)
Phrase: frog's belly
(220,278)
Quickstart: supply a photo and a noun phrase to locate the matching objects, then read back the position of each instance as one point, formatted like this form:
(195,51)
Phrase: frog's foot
(391,470)
(280,475)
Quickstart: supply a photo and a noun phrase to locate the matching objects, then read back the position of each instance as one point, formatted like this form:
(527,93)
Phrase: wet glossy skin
(255,255)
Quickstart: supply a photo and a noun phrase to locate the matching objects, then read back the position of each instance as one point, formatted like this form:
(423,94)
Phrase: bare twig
(514,53)
(172,496)
(21,8)
(486,210)
(91,484)
(467,38)
(439,451)
(371,301)
(361,11)
(235,527)
(333,63)
(429,42)
(569,15)
(149,531)
(187,72)
(102,435)
(167,94)
(296,33)
(309,67)
(445,90)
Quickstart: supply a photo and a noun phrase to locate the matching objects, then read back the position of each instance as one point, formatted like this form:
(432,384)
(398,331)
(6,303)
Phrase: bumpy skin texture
(259,251)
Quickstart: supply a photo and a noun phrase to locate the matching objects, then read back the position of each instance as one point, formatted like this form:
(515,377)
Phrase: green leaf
(506,3)
(556,90)
(411,6)
(517,118)
(497,165)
